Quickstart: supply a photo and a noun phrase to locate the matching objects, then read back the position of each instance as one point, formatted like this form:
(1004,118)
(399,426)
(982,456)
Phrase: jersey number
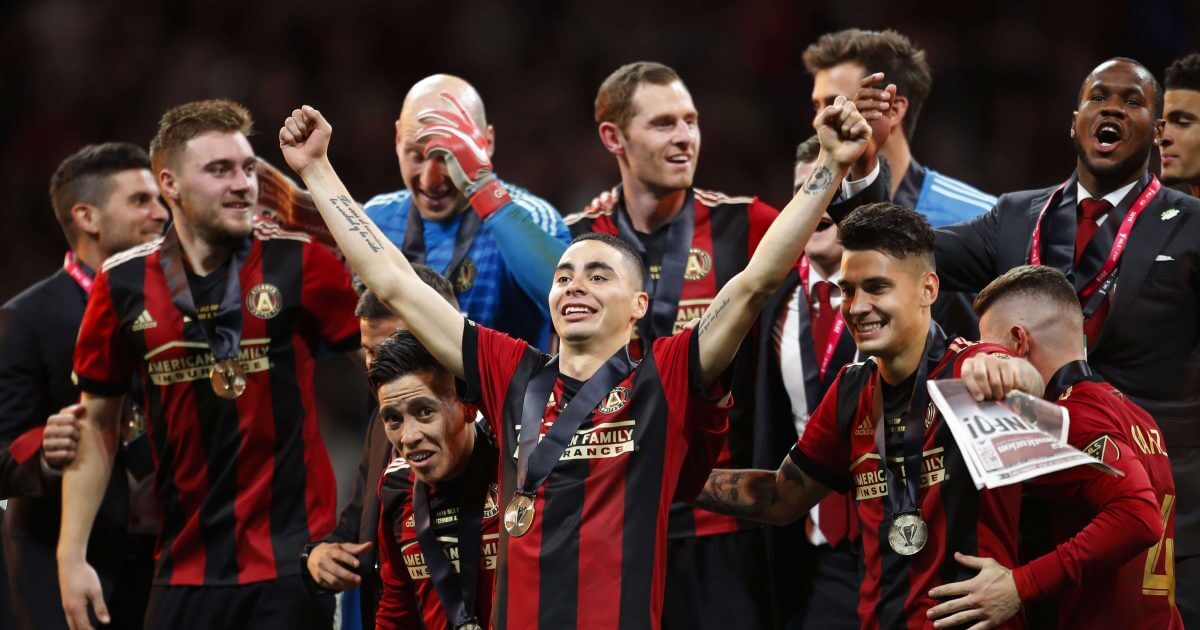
(1162,583)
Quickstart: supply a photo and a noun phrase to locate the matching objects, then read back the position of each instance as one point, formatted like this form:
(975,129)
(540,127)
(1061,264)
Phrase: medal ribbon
(1067,376)
(414,238)
(904,500)
(536,459)
(665,292)
(455,589)
(835,334)
(74,269)
(223,331)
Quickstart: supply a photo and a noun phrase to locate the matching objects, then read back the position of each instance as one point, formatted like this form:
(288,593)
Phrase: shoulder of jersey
(587,214)
(265,231)
(141,251)
(712,198)
(397,463)
(959,344)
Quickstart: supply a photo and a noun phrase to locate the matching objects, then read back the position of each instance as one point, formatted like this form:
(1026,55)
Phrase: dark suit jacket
(37,341)
(1149,347)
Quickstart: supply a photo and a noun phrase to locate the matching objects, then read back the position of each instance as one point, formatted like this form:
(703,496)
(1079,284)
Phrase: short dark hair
(400,354)
(1045,284)
(184,122)
(1158,90)
(369,306)
(889,228)
(85,177)
(886,51)
(807,151)
(631,255)
(614,100)
(1184,73)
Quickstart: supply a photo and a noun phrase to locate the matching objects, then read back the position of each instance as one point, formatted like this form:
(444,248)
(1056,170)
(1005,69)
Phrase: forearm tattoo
(710,316)
(819,181)
(357,223)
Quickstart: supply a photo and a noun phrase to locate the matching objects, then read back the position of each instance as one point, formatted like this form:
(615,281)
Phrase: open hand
(80,586)
(333,566)
(989,599)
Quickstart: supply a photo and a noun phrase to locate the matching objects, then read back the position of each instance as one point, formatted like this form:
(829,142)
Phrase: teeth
(575,309)
(679,159)
(873,326)
(420,457)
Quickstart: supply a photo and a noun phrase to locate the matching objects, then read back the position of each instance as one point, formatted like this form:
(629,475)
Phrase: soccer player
(1179,131)
(346,558)
(585,507)
(692,242)
(441,505)
(1108,568)
(876,434)
(219,320)
(105,199)
(497,246)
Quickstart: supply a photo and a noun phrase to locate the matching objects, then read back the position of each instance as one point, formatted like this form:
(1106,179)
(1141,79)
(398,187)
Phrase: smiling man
(692,242)
(1180,134)
(594,446)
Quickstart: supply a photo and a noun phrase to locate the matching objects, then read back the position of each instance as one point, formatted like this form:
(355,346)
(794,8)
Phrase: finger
(953,589)
(359,548)
(996,381)
(959,618)
(947,607)
(293,126)
(972,562)
(839,101)
(98,606)
(871,94)
(462,111)
(871,79)
(970,380)
(340,573)
(298,119)
(75,410)
(286,138)
(77,617)
(861,130)
(342,557)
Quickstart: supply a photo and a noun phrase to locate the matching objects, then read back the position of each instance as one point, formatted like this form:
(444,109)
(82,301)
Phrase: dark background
(1006,75)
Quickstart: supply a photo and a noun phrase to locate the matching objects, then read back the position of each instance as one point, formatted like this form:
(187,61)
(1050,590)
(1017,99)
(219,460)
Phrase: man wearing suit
(106,201)
(1141,313)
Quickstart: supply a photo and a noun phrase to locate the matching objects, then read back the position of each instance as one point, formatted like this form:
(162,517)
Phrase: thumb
(98,605)
(359,548)
(971,562)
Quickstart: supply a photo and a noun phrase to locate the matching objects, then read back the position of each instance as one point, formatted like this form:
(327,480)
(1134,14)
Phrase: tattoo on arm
(818,182)
(356,222)
(711,315)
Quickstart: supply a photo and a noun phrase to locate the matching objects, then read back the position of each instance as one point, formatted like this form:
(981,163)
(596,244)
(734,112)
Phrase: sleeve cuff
(852,188)
(100,388)
(811,468)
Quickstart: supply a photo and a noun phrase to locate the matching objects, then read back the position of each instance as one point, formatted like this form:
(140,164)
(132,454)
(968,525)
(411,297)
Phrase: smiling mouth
(868,327)
(419,457)
(576,312)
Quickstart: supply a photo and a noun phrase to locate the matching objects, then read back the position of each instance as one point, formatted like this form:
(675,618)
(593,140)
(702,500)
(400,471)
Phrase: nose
(158,212)
(1113,107)
(410,434)
(856,305)
(433,177)
(1167,138)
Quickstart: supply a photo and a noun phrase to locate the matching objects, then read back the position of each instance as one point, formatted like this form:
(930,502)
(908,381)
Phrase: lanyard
(456,590)
(665,292)
(414,238)
(224,330)
(72,266)
(1104,278)
(835,334)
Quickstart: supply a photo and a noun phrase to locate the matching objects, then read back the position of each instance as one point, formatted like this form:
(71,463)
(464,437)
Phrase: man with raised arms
(586,494)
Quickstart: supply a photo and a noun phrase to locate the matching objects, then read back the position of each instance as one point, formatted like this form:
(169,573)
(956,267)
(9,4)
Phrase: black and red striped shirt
(725,234)
(842,456)
(595,554)
(243,484)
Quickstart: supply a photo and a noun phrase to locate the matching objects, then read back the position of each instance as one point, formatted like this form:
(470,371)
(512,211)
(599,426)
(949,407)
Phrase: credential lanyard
(536,459)
(456,590)
(223,331)
(903,500)
(74,269)
(835,335)
(665,292)
(414,238)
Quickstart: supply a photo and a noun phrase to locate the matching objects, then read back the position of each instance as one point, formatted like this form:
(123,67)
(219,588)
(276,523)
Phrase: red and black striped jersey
(409,598)
(243,484)
(726,233)
(1140,591)
(595,554)
(842,456)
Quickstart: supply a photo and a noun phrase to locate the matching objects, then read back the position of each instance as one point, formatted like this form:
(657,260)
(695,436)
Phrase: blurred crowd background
(1006,76)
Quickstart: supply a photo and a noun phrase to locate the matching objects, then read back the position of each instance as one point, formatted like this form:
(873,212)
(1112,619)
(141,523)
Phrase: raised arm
(83,486)
(304,141)
(843,134)
(777,498)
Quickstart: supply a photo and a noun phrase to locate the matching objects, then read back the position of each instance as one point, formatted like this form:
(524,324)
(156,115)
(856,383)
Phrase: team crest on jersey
(699,263)
(615,401)
(1104,449)
(264,300)
(465,275)
(491,503)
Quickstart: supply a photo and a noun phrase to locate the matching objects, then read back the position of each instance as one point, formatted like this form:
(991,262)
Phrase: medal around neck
(908,534)
(518,516)
(228,378)
(470,625)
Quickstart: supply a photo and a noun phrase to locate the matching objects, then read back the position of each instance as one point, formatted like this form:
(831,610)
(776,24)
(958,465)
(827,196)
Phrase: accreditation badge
(518,516)
(908,534)
(228,378)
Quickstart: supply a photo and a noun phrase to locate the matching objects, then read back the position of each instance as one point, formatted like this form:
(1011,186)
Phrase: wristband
(489,197)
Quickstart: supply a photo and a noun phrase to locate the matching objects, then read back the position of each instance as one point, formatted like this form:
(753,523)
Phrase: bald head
(427,94)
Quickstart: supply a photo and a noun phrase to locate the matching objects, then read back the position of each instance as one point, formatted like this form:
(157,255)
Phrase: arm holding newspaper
(991,375)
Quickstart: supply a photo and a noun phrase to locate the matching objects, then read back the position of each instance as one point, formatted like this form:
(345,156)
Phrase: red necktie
(1089,211)
(823,322)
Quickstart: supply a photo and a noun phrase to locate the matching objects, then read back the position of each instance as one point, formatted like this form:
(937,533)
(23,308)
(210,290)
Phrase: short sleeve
(823,452)
(490,360)
(104,364)
(328,299)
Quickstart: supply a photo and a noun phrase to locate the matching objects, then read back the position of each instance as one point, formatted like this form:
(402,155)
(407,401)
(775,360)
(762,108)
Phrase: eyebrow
(595,264)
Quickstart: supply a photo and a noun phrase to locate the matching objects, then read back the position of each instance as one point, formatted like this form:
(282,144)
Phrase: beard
(1127,168)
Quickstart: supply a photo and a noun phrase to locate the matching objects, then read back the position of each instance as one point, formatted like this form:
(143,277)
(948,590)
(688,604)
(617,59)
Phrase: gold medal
(908,534)
(228,378)
(470,625)
(518,516)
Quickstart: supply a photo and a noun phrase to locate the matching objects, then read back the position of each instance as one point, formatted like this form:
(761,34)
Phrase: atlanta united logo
(615,401)
(698,265)
(491,503)
(465,275)
(264,301)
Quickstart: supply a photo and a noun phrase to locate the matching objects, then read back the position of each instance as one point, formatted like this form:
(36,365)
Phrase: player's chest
(870,465)
(446,524)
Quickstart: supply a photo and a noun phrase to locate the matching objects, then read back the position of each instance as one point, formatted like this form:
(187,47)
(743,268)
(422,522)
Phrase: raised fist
(842,131)
(304,139)
(452,135)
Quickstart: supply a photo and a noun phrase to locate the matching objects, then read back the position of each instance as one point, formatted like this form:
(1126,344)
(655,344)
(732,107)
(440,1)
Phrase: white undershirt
(1113,197)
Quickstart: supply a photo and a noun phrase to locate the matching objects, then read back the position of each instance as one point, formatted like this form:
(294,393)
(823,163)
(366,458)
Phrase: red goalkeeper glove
(452,136)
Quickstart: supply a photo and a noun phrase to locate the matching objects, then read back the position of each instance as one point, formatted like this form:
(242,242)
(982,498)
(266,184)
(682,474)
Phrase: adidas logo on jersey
(143,322)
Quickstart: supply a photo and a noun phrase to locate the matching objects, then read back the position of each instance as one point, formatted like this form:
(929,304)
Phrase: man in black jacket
(106,201)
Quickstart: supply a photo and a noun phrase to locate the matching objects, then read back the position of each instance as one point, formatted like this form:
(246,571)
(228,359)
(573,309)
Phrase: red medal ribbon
(1119,244)
(75,270)
(839,324)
